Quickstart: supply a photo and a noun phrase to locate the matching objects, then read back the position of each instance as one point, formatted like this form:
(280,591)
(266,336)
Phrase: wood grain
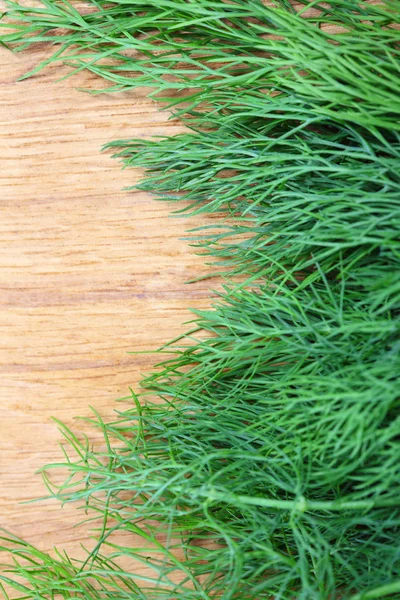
(88,272)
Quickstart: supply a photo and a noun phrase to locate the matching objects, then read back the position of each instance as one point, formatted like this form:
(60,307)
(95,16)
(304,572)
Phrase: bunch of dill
(262,460)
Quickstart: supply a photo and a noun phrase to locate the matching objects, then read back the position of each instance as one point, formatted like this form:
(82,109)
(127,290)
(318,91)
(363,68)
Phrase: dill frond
(262,460)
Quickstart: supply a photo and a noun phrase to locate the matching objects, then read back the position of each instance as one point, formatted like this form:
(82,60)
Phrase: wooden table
(88,272)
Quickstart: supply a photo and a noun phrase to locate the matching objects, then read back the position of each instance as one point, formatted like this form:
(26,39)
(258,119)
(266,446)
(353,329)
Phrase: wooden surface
(88,272)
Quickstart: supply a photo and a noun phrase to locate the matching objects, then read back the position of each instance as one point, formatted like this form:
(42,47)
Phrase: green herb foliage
(262,460)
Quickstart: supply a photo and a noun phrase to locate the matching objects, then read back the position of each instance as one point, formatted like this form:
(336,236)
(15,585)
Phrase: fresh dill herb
(262,460)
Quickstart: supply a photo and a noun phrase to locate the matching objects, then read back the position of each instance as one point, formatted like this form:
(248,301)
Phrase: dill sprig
(261,461)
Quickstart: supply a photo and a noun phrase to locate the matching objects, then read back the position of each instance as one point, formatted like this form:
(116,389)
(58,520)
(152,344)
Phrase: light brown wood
(88,272)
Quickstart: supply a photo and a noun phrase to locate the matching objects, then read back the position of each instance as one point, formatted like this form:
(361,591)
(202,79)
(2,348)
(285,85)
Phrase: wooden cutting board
(88,272)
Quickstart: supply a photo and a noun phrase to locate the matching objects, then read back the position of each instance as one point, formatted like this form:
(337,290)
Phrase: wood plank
(88,272)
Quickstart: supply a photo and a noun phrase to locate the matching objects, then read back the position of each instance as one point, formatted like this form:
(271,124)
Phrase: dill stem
(301,504)
(383,590)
